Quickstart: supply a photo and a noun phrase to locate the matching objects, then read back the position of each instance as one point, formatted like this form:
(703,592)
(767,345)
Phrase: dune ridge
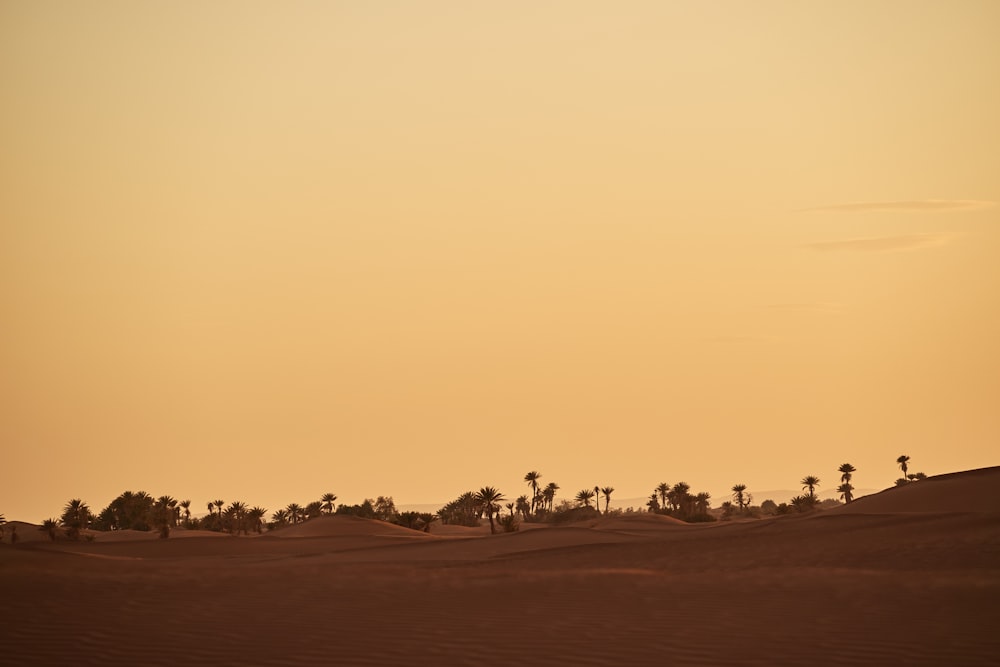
(908,576)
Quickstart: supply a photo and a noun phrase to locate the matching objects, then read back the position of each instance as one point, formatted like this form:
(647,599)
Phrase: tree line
(141,511)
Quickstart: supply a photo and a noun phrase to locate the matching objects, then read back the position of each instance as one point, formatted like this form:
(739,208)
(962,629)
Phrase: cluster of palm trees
(584,496)
(678,501)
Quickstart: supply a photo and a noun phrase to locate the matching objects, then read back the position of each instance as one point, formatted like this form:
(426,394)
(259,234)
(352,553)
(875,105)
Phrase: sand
(909,576)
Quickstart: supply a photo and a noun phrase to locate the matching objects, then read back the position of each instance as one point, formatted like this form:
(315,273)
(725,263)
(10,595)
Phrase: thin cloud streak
(882,243)
(915,205)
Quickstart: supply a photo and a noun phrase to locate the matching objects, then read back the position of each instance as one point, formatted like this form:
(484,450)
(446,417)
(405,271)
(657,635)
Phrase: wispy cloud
(883,243)
(915,205)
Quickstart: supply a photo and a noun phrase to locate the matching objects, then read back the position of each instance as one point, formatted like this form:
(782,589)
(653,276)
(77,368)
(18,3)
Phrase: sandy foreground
(907,577)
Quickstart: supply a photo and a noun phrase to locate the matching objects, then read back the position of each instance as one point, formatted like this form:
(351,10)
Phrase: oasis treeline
(143,512)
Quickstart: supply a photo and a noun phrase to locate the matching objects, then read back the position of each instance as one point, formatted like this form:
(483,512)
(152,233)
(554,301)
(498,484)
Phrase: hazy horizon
(262,252)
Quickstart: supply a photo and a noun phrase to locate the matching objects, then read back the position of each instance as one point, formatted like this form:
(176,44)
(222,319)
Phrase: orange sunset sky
(261,251)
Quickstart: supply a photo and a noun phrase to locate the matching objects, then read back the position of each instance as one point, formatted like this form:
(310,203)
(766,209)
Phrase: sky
(262,251)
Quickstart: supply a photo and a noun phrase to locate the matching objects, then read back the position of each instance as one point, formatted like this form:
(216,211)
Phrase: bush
(510,524)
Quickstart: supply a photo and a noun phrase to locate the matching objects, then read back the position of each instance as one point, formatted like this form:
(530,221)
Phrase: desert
(908,576)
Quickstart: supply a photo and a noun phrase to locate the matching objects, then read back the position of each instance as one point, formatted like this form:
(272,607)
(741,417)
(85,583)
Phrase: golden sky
(262,251)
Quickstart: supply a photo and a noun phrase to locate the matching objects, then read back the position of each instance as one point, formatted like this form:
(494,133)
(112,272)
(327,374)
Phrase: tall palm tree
(294,512)
(702,501)
(255,517)
(845,492)
(488,498)
(549,494)
(186,504)
(738,490)
(211,506)
(163,514)
(219,504)
(903,461)
(680,497)
(810,482)
(584,497)
(663,489)
(522,505)
(597,497)
(607,491)
(237,513)
(532,479)
(846,470)
(328,500)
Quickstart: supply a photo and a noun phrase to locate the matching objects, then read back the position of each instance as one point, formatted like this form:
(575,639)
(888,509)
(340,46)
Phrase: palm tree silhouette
(845,492)
(255,518)
(294,512)
(549,494)
(738,490)
(607,491)
(702,501)
(532,479)
(810,482)
(487,498)
(328,500)
(210,506)
(76,517)
(903,461)
(584,497)
(663,489)
(186,505)
(50,526)
(218,506)
(846,471)
(522,506)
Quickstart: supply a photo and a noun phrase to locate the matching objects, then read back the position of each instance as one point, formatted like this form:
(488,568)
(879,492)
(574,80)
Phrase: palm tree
(219,504)
(846,471)
(810,482)
(607,491)
(510,508)
(845,492)
(163,514)
(210,506)
(597,497)
(328,500)
(523,507)
(186,504)
(76,517)
(680,497)
(487,498)
(702,501)
(279,519)
(584,497)
(294,512)
(532,479)
(903,461)
(50,526)
(255,517)
(738,495)
(237,513)
(663,489)
(549,494)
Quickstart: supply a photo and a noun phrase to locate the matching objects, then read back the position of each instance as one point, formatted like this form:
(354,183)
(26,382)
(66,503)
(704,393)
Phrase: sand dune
(890,583)
(971,491)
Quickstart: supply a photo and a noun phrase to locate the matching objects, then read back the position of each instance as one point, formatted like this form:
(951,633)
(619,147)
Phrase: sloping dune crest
(346,526)
(969,491)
